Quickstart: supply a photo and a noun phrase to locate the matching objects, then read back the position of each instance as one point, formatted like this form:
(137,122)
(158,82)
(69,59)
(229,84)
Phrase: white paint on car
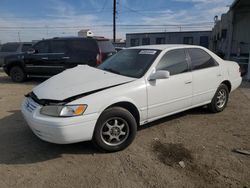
(153,99)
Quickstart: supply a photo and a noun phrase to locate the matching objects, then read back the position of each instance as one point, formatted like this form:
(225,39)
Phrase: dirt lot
(203,141)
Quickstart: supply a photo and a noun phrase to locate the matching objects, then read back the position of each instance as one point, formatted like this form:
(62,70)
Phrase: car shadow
(4,79)
(18,145)
(245,85)
(194,111)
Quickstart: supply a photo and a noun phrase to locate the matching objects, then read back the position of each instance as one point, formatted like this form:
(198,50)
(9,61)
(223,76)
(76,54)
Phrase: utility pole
(114,21)
(19,36)
(47,30)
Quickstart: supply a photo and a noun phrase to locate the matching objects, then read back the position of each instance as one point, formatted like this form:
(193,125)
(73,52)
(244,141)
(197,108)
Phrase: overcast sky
(37,19)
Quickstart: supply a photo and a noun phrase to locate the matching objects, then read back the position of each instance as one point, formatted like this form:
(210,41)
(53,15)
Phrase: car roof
(165,46)
(79,38)
(16,43)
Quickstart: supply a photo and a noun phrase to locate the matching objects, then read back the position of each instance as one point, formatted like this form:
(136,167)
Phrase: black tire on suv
(115,129)
(17,74)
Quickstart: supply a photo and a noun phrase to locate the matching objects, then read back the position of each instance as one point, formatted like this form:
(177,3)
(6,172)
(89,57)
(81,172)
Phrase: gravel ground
(202,141)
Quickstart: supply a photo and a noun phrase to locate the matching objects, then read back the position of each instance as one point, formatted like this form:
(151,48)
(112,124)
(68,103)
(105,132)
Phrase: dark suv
(52,56)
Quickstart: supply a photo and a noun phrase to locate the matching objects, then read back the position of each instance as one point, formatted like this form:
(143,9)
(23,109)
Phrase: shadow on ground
(4,79)
(20,146)
(194,111)
(245,84)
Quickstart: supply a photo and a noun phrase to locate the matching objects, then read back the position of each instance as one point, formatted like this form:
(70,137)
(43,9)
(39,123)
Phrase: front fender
(118,100)
(123,102)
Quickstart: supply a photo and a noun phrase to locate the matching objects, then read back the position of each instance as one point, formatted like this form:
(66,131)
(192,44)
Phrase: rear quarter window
(106,46)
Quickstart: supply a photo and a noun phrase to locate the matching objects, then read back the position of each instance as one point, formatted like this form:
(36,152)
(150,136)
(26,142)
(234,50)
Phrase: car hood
(78,81)
(9,56)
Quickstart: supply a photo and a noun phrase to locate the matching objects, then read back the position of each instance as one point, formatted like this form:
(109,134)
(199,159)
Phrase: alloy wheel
(115,131)
(221,98)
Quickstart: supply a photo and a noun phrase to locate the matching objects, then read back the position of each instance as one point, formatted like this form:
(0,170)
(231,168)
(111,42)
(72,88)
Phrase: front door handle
(45,58)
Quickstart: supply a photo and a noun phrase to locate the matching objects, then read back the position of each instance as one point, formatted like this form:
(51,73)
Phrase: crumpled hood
(76,81)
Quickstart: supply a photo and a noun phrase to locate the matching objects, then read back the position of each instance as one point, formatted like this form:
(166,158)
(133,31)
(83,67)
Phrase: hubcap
(221,98)
(114,131)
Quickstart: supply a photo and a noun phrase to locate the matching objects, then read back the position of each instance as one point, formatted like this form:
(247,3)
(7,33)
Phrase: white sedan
(138,85)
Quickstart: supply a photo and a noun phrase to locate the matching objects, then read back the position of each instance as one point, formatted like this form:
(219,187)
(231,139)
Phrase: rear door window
(26,47)
(201,59)
(58,46)
(106,46)
(10,47)
(78,46)
(174,61)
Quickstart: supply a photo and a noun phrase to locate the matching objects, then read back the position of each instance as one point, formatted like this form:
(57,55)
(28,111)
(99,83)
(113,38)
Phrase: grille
(30,105)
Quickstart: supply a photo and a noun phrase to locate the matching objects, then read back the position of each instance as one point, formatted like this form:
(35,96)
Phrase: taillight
(99,58)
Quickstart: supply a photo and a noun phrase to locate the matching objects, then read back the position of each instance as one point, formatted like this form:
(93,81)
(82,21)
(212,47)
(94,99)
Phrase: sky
(29,20)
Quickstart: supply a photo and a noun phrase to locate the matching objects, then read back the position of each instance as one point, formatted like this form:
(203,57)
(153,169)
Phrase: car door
(58,56)
(206,76)
(48,58)
(37,62)
(166,96)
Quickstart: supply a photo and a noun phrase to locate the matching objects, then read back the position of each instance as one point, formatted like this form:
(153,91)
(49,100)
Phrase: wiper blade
(112,70)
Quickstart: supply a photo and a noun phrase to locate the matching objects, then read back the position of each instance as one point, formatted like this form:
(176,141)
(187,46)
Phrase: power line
(198,24)
(132,10)
(104,5)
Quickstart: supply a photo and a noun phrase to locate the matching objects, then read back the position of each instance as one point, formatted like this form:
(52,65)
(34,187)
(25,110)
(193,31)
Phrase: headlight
(64,111)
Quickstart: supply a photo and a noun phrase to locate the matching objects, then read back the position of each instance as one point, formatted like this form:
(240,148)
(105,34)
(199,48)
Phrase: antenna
(114,21)
(19,36)
(215,19)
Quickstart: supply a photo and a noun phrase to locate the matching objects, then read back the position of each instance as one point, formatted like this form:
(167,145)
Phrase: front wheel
(220,99)
(17,74)
(115,129)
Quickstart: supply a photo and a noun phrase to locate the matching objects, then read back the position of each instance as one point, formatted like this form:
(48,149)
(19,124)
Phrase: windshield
(130,62)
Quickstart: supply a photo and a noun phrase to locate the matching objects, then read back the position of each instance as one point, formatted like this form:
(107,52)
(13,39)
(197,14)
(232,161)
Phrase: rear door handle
(65,57)
(188,82)
(45,58)
(219,75)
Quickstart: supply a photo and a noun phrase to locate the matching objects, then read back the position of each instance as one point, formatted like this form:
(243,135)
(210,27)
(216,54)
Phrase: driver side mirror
(161,74)
(32,51)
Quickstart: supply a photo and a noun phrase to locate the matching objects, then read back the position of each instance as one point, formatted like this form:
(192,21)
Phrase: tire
(220,99)
(115,129)
(17,74)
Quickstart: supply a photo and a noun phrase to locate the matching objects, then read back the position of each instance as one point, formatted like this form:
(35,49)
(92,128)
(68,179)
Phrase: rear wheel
(17,74)
(115,129)
(220,99)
